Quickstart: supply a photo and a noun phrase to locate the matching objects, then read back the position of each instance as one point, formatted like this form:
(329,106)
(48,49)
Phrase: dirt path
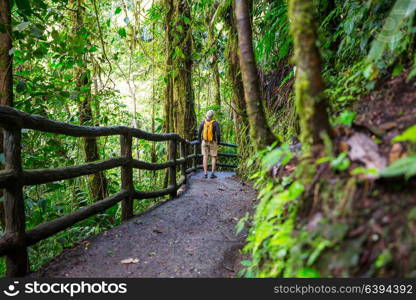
(191,236)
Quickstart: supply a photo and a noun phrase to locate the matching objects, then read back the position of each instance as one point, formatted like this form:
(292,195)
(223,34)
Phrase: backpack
(208,132)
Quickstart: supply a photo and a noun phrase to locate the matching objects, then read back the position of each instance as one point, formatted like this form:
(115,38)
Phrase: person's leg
(205,153)
(205,163)
(214,153)
(214,163)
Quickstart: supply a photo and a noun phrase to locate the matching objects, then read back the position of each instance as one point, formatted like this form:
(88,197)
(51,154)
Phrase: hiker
(209,136)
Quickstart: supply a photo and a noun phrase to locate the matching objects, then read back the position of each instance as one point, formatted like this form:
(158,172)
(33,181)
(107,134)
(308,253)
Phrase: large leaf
(408,135)
(391,33)
(404,166)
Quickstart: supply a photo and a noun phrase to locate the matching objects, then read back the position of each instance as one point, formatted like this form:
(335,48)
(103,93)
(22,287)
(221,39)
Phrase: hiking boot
(213,175)
(206,176)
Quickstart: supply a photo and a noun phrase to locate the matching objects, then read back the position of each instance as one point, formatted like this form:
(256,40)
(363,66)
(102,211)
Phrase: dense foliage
(363,44)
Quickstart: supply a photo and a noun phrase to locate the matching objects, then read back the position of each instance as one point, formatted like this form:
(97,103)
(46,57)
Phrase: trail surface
(190,236)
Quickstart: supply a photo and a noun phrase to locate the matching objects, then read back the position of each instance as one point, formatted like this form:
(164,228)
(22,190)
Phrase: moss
(309,84)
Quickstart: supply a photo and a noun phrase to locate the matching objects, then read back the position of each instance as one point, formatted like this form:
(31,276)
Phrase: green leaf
(186,20)
(411,215)
(246,263)
(295,190)
(240,224)
(24,7)
(341,163)
(36,32)
(22,26)
(384,258)
(323,159)
(21,86)
(179,53)
(117,11)
(408,135)
(55,34)
(122,32)
(346,118)
(308,273)
(279,156)
(365,171)
(398,69)
(404,166)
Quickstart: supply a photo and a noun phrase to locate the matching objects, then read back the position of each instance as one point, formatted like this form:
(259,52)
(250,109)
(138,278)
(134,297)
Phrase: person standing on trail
(209,135)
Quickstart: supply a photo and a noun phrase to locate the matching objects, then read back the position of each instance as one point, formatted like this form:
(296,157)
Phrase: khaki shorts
(209,148)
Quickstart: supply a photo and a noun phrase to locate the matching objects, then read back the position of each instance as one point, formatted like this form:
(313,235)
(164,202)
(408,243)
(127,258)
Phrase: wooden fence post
(126,177)
(183,156)
(172,169)
(195,157)
(17,261)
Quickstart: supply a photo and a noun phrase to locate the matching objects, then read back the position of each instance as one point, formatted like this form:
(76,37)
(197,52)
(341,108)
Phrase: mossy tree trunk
(217,80)
(234,76)
(213,47)
(184,117)
(6,79)
(168,99)
(310,102)
(97,182)
(259,129)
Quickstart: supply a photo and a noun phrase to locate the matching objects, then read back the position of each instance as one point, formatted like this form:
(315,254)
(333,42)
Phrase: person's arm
(218,132)
(200,131)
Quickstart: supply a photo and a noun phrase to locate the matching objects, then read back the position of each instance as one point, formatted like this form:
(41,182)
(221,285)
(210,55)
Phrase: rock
(365,150)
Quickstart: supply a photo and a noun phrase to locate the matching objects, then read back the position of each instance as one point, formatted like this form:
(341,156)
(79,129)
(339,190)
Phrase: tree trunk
(310,103)
(6,79)
(97,182)
(212,42)
(259,129)
(184,117)
(238,104)
(217,81)
(167,105)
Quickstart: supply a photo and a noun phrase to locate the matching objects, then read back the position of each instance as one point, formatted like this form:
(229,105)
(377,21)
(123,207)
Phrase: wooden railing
(16,238)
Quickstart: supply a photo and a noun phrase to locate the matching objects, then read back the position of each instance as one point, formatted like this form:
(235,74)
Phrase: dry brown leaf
(396,152)
(365,150)
(130,261)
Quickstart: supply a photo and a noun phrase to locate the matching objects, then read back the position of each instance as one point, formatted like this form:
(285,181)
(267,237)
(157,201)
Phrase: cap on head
(210,114)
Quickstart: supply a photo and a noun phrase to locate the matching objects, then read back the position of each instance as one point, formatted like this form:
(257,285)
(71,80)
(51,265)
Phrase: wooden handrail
(16,239)
(6,176)
(232,155)
(10,117)
(40,176)
(195,142)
